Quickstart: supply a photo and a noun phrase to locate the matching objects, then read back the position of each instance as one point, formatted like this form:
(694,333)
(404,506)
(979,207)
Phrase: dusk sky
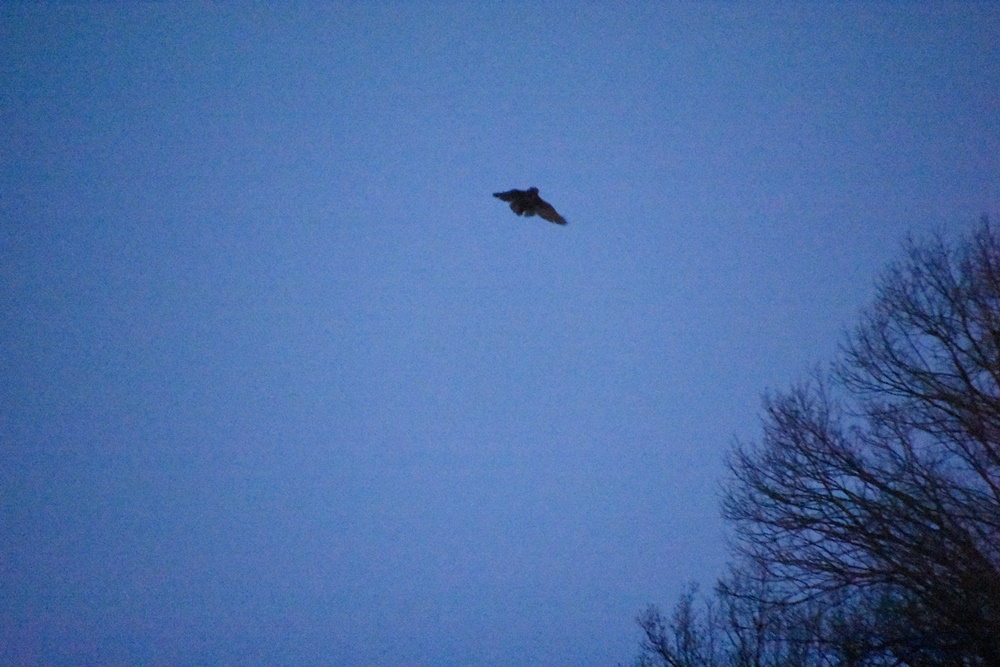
(281,383)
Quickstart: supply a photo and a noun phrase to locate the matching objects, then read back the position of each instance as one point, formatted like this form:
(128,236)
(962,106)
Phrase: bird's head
(533,191)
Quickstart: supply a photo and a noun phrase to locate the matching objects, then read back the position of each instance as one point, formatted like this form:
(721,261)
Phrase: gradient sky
(281,383)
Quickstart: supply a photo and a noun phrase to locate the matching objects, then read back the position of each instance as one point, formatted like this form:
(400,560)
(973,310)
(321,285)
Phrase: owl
(528,203)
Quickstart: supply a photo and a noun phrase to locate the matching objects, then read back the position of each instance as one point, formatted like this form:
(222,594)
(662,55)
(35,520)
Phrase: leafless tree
(867,514)
(739,626)
(688,639)
(876,486)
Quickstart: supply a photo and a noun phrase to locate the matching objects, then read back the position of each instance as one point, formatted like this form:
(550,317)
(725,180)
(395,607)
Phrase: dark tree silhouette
(528,203)
(883,480)
(869,510)
(740,626)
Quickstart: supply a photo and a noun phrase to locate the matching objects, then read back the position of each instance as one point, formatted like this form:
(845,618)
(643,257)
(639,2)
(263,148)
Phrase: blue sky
(284,384)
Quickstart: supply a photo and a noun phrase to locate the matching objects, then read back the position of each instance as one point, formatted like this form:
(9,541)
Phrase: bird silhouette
(528,203)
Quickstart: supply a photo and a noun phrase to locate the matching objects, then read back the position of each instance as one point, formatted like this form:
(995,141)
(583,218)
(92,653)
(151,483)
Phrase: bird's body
(528,203)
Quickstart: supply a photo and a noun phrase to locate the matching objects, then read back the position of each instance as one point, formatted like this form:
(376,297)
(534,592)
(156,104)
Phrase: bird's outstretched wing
(528,203)
(518,200)
(546,212)
(510,195)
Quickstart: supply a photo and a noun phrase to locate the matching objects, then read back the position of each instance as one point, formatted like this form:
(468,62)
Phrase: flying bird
(528,203)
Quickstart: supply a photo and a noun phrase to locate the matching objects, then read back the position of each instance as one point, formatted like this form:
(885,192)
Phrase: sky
(281,383)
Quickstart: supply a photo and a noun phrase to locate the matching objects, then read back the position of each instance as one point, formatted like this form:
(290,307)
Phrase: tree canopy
(867,514)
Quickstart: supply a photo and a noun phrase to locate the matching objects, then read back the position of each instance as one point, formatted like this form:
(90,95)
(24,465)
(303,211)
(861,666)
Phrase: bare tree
(688,639)
(875,488)
(740,626)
